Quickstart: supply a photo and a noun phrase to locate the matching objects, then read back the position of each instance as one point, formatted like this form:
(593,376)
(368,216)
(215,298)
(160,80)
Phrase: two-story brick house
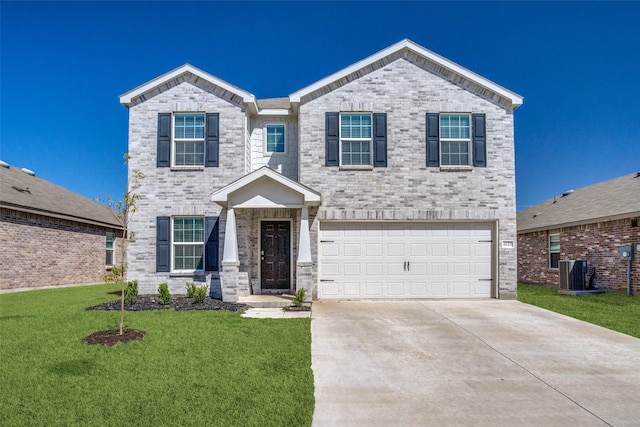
(392,178)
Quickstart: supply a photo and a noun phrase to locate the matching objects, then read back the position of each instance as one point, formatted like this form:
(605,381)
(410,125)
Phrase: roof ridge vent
(4,164)
(28,171)
(566,193)
(637,174)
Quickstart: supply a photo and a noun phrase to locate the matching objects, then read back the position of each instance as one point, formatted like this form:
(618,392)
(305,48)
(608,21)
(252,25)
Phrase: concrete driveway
(468,363)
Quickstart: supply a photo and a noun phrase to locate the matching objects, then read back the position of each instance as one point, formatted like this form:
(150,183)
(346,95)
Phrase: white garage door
(405,260)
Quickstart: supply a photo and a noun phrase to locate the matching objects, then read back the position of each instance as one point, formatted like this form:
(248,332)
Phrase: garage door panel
(374,249)
(351,289)
(374,289)
(395,289)
(374,268)
(418,289)
(328,249)
(405,260)
(417,269)
(461,288)
(418,249)
(439,249)
(395,249)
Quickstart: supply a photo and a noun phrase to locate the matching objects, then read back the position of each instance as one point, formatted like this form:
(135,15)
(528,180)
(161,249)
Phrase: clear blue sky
(64,64)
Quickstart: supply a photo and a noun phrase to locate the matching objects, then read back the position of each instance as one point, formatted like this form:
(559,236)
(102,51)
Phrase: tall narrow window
(554,250)
(188,138)
(455,139)
(109,248)
(275,138)
(355,139)
(188,243)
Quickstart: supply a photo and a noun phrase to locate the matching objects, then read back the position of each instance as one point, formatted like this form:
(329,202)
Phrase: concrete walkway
(469,363)
(274,313)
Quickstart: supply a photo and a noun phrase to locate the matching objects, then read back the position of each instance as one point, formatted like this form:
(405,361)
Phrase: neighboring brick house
(587,224)
(392,178)
(50,235)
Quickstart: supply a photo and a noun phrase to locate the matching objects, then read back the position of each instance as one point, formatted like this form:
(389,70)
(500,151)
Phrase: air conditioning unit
(572,275)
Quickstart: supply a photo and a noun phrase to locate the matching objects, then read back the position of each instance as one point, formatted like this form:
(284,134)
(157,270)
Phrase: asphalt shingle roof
(609,200)
(25,192)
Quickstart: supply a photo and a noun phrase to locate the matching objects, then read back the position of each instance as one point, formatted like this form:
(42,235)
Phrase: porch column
(304,264)
(230,239)
(230,261)
(304,244)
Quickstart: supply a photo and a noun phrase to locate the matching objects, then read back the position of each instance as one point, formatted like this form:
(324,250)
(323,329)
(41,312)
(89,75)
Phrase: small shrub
(200,294)
(165,296)
(131,292)
(299,297)
(191,289)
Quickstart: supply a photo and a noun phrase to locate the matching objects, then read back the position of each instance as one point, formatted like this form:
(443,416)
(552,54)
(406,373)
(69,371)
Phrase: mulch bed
(177,302)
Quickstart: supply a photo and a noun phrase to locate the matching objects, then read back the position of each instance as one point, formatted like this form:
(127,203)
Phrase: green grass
(192,368)
(612,311)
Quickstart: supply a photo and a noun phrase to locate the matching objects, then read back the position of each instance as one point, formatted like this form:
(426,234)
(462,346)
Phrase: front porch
(267,248)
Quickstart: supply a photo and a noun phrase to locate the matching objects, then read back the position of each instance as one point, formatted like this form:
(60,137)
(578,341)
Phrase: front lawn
(612,311)
(192,368)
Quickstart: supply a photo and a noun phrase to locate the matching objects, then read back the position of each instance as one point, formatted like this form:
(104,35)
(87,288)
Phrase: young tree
(123,211)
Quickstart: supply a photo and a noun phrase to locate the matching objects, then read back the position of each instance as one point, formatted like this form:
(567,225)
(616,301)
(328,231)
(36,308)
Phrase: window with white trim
(275,137)
(355,139)
(554,250)
(188,139)
(110,239)
(455,139)
(188,243)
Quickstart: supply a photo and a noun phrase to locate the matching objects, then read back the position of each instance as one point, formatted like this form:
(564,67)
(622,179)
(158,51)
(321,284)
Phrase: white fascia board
(310,197)
(126,98)
(274,112)
(516,100)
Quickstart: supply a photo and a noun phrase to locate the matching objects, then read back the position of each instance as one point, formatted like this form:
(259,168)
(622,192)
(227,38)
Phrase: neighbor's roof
(22,191)
(606,201)
(432,57)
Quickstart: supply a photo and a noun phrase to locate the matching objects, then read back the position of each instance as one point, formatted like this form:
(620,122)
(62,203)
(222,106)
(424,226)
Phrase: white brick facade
(405,85)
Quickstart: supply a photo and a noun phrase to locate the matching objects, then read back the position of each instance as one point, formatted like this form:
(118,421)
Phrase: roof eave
(127,98)
(580,222)
(35,211)
(515,99)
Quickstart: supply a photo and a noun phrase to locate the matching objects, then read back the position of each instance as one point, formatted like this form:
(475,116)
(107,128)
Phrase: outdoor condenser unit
(572,275)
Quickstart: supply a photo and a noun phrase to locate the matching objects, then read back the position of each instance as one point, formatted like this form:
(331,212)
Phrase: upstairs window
(188,139)
(188,243)
(355,139)
(455,139)
(275,138)
(554,250)
(109,248)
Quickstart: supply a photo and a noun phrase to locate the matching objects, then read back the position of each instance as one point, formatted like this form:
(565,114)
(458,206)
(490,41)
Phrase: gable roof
(605,201)
(275,181)
(406,44)
(22,191)
(127,98)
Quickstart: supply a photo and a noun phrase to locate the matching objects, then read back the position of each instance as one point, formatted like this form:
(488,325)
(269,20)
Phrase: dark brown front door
(275,265)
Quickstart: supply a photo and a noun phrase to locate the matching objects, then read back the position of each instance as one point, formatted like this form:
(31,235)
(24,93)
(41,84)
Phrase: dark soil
(112,337)
(177,302)
(300,308)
